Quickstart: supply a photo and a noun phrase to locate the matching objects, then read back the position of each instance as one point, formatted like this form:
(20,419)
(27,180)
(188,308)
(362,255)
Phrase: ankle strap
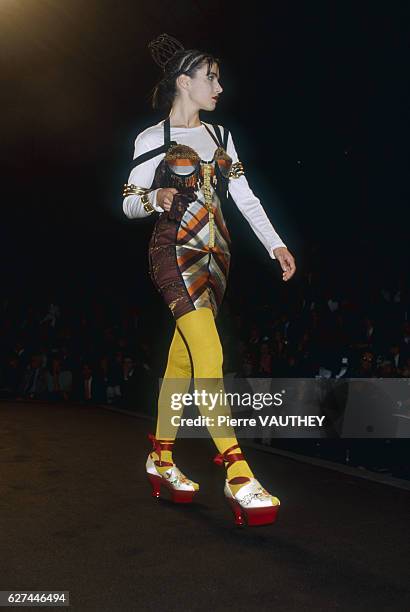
(222,458)
(158,445)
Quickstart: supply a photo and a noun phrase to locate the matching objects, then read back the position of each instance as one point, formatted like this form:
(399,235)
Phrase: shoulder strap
(226,134)
(147,155)
(167,132)
(218,133)
(154,152)
(220,142)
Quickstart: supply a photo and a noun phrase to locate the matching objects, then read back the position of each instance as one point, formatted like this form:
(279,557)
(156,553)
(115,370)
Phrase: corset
(184,169)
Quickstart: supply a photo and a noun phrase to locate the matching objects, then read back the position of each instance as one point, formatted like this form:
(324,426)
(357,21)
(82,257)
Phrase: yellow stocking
(178,367)
(200,335)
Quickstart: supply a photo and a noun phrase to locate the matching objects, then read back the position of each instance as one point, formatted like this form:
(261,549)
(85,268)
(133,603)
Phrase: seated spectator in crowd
(20,352)
(89,388)
(66,358)
(128,368)
(398,352)
(265,361)
(112,374)
(130,381)
(365,368)
(52,315)
(59,381)
(254,334)
(103,375)
(387,369)
(11,376)
(116,365)
(405,337)
(365,334)
(138,385)
(292,367)
(405,370)
(34,383)
(246,366)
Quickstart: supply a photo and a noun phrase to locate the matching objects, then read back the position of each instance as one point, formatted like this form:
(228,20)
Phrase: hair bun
(163,48)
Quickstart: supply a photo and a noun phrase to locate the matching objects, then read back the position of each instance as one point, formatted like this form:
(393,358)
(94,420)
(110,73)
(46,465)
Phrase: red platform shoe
(252,504)
(181,488)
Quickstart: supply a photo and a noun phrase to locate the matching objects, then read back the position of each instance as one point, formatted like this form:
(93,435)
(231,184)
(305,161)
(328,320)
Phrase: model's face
(204,89)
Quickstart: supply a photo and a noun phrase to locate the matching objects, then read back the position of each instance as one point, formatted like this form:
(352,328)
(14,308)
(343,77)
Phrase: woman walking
(183,169)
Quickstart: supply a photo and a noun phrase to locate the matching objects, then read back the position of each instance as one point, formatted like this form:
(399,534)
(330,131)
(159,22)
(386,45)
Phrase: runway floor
(77,515)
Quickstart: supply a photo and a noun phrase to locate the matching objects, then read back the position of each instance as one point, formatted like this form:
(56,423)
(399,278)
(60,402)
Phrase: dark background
(315,94)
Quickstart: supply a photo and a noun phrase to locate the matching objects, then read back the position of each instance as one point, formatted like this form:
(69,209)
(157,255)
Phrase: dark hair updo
(183,61)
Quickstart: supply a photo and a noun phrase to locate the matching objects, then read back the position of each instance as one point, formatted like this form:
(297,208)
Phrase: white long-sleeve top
(199,139)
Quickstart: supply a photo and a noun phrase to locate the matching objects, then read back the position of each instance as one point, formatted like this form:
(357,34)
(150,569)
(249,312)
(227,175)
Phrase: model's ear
(183,80)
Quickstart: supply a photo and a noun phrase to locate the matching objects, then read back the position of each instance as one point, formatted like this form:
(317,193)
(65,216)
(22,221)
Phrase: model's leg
(177,378)
(200,334)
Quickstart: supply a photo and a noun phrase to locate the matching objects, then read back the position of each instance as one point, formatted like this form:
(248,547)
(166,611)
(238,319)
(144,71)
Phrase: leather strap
(225,143)
(239,480)
(168,142)
(222,142)
(222,458)
(148,155)
(230,459)
(218,133)
(167,132)
(228,450)
(157,446)
(154,152)
(216,127)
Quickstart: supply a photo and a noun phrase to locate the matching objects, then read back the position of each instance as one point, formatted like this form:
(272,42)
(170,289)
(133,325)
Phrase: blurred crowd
(93,353)
(56,352)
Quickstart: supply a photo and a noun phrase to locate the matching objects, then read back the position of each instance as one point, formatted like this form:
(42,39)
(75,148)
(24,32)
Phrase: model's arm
(142,176)
(251,208)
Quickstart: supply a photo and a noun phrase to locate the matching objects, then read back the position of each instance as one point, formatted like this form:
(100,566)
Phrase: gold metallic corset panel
(186,169)
(183,168)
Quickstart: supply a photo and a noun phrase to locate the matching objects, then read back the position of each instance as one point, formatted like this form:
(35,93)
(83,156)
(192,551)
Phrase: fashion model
(183,171)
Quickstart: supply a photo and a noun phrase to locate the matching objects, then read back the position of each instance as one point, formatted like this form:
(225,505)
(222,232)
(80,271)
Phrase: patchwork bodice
(184,162)
(183,168)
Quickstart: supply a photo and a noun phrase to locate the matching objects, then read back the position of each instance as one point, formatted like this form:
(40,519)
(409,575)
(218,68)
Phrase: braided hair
(174,60)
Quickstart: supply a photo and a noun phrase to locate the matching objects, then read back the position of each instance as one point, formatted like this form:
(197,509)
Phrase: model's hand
(286,261)
(165,196)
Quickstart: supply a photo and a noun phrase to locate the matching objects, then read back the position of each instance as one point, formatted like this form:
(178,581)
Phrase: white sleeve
(251,208)
(142,176)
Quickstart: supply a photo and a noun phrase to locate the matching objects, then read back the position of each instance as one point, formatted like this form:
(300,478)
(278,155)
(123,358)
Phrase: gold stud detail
(130,189)
(236,170)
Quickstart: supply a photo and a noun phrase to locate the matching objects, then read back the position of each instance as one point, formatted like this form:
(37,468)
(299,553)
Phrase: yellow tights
(196,345)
